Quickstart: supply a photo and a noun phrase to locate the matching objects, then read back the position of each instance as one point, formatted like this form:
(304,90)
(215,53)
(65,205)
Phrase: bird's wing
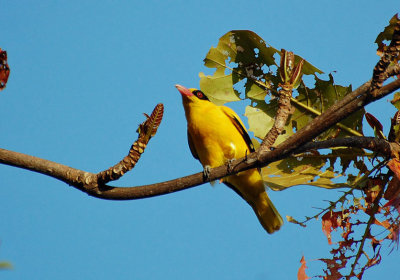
(239,126)
(191,146)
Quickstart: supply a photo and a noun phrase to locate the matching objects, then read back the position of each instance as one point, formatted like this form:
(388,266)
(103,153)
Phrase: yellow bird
(216,135)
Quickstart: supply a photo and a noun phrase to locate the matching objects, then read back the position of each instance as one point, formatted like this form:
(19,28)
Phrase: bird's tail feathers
(266,213)
(263,207)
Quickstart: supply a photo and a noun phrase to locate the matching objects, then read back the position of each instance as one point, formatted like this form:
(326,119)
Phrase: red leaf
(332,220)
(395,236)
(373,122)
(394,165)
(395,202)
(301,274)
(4,69)
(393,189)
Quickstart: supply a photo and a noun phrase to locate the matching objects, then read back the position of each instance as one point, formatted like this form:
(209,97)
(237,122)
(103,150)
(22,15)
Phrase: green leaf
(242,52)
(309,103)
(396,100)
(245,63)
(319,99)
(242,55)
(255,92)
(312,170)
(261,119)
(219,88)
(387,33)
(308,68)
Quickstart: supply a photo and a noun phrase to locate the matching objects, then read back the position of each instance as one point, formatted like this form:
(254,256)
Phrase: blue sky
(82,74)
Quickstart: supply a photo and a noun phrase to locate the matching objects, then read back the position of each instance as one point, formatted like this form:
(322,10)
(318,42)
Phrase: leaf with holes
(307,105)
(242,56)
(387,33)
(308,169)
(318,100)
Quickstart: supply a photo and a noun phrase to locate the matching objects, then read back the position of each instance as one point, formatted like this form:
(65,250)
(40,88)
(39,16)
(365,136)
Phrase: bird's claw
(230,165)
(206,172)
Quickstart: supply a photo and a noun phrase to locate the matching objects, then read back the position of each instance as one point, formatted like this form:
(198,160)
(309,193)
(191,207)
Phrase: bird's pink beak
(184,91)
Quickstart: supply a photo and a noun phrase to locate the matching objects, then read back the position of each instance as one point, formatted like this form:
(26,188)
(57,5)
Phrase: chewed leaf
(242,55)
(261,119)
(310,169)
(308,104)
(245,63)
(308,68)
(387,33)
(332,220)
(319,99)
(295,171)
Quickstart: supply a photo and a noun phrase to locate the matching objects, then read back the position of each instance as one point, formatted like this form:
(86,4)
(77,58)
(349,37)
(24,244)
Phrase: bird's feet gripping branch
(206,172)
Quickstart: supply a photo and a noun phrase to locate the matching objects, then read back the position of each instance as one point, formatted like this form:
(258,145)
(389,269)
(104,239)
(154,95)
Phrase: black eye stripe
(200,95)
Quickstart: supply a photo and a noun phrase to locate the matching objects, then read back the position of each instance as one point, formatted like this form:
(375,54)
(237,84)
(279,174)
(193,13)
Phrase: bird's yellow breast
(213,134)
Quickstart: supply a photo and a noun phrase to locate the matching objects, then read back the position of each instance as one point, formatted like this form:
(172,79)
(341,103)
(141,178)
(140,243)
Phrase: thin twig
(355,186)
(371,220)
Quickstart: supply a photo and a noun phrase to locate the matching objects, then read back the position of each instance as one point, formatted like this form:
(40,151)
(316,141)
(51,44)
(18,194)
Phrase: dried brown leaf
(393,189)
(301,273)
(332,220)
(394,165)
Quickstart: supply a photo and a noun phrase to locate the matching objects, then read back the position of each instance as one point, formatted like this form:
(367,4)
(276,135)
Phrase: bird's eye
(200,95)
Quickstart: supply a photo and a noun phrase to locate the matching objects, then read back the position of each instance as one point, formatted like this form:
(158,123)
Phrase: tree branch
(370,143)
(89,182)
